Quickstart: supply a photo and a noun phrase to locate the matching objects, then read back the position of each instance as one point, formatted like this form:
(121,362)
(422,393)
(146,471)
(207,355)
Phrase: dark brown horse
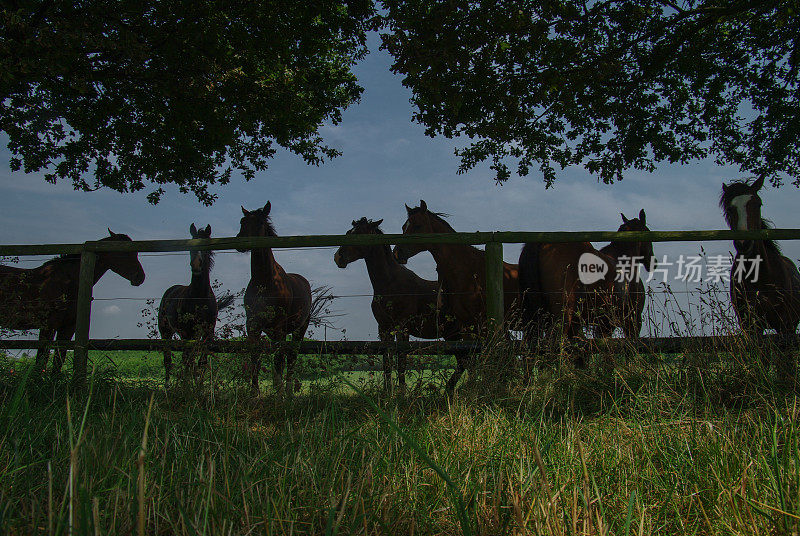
(553,294)
(276,303)
(403,303)
(45,298)
(191,310)
(462,275)
(769,299)
(628,298)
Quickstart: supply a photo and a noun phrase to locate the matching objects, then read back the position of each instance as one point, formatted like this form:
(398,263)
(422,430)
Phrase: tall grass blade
(458,501)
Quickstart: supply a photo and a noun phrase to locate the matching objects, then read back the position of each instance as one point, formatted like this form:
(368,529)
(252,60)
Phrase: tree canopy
(610,85)
(135,94)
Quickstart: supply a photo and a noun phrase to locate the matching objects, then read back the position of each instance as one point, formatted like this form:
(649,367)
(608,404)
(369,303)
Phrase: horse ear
(193,231)
(110,232)
(642,217)
(354,223)
(408,209)
(245,211)
(267,208)
(624,219)
(423,205)
(378,223)
(759,182)
(208,229)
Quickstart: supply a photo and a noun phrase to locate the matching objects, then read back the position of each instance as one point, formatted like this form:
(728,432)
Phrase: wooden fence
(494,273)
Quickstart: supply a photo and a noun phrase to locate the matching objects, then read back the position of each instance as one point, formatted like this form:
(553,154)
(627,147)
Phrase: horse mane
(733,190)
(270,228)
(364,221)
(439,216)
(71,257)
(729,192)
(210,254)
(771,245)
(61,259)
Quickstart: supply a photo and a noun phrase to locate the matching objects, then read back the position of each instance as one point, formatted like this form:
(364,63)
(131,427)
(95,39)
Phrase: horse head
(644,250)
(741,206)
(419,221)
(256,223)
(200,260)
(347,254)
(123,263)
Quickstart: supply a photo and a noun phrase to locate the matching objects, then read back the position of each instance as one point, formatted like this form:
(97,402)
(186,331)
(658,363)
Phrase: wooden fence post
(494,285)
(83,318)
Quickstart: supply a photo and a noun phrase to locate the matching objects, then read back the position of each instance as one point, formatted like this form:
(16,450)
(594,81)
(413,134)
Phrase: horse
(551,289)
(462,276)
(764,284)
(45,298)
(191,310)
(275,302)
(403,303)
(628,298)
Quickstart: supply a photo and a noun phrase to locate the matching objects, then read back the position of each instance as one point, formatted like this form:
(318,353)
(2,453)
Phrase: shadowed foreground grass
(642,449)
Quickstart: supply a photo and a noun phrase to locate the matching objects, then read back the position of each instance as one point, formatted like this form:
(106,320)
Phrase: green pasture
(636,447)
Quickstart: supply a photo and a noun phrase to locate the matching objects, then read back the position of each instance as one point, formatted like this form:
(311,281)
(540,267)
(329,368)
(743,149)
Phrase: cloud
(111,310)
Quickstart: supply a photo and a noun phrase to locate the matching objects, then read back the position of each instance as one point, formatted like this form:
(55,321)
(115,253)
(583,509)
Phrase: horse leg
(204,352)
(387,336)
(291,358)
(277,370)
(573,335)
(63,334)
(786,365)
(401,363)
(202,362)
(278,340)
(43,353)
(753,329)
(461,366)
(604,329)
(166,333)
(571,328)
(187,361)
(633,324)
(253,343)
(167,365)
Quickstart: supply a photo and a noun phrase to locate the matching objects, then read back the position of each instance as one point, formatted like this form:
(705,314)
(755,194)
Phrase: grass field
(643,447)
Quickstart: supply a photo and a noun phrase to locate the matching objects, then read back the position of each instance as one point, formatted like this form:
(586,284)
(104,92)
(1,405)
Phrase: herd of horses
(545,287)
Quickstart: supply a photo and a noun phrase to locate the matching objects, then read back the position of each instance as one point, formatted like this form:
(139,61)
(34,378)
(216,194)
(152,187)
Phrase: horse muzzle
(340,262)
(242,250)
(743,246)
(399,256)
(138,279)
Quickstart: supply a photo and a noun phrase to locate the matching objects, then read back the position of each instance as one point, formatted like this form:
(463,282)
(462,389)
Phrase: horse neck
(262,265)
(201,283)
(100,268)
(450,257)
(623,249)
(453,261)
(381,265)
(770,259)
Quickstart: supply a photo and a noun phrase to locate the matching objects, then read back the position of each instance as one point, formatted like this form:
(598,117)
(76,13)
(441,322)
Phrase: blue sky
(387,161)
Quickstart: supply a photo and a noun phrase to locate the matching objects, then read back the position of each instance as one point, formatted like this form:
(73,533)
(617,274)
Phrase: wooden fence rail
(494,258)
(644,345)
